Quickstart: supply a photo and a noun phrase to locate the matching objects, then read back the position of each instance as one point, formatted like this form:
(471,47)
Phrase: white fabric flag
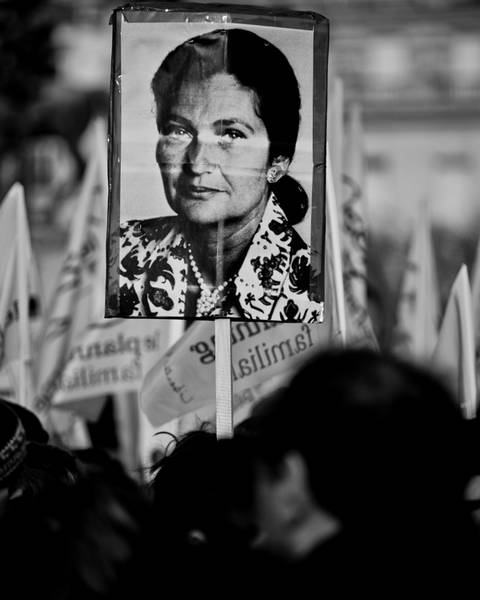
(20,299)
(415,332)
(77,297)
(354,237)
(112,356)
(264,357)
(454,354)
(75,300)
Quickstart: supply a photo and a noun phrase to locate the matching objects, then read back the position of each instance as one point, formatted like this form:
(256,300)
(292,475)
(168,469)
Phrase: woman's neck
(219,249)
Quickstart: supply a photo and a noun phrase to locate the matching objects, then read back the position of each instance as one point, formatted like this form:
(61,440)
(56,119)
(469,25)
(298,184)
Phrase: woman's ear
(278,169)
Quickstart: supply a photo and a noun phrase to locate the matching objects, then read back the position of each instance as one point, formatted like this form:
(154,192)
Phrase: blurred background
(413,66)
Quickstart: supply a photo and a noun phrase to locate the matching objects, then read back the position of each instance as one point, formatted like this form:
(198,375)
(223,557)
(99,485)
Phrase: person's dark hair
(88,539)
(375,432)
(45,469)
(257,64)
(199,493)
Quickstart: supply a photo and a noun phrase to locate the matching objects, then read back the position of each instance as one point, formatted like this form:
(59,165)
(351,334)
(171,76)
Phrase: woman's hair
(258,65)
(201,494)
(373,431)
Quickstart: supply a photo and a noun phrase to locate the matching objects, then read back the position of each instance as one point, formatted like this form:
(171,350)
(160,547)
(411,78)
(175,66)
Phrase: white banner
(19,298)
(454,354)
(111,358)
(354,237)
(264,356)
(415,333)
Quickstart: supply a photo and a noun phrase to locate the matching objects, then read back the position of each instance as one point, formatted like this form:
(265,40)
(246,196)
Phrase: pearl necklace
(209,298)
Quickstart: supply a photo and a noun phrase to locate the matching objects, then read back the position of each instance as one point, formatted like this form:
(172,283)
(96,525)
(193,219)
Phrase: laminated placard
(217,163)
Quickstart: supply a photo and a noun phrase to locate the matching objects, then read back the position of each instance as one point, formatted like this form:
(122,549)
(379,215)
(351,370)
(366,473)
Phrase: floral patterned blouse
(272,283)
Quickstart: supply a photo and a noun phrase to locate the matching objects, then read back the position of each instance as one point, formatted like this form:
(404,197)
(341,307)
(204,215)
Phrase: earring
(273,174)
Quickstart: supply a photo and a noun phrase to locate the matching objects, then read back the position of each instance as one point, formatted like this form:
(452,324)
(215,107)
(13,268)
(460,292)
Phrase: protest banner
(235,231)
(111,357)
(20,299)
(416,327)
(183,380)
(354,236)
(454,354)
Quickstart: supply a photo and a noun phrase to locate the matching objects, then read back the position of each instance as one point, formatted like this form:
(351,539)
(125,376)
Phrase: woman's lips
(200,192)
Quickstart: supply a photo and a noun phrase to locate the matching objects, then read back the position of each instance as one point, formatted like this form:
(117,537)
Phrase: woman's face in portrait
(213,152)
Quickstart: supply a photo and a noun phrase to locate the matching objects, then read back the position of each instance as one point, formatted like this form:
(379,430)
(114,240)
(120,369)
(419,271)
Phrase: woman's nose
(201,156)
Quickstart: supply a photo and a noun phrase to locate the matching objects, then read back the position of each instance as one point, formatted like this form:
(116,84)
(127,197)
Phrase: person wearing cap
(34,430)
(13,450)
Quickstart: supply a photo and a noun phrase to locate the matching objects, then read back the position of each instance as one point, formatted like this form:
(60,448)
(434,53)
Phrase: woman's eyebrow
(233,121)
(178,119)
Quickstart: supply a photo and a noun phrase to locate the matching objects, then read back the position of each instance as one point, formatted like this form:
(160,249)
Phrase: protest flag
(354,237)
(20,299)
(76,298)
(454,354)
(111,356)
(417,318)
(264,355)
(139,447)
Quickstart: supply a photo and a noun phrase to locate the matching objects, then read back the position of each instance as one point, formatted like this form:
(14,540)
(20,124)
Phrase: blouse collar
(260,278)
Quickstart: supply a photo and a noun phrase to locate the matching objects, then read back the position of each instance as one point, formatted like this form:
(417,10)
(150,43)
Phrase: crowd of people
(353,479)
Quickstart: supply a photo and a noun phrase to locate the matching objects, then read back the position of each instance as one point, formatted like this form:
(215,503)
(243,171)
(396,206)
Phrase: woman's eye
(232,134)
(175,131)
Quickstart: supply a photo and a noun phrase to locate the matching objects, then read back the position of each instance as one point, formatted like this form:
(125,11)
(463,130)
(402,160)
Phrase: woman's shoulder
(145,230)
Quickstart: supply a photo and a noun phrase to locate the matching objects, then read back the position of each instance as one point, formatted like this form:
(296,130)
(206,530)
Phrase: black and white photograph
(240,299)
(216,173)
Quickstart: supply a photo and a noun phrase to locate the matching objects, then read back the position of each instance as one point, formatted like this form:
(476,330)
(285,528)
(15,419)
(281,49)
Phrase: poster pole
(127,420)
(223,379)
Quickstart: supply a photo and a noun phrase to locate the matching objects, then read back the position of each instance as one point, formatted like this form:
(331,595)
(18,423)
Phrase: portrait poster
(217,163)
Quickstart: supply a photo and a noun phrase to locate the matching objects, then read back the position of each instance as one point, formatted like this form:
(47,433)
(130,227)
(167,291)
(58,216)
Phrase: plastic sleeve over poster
(217,149)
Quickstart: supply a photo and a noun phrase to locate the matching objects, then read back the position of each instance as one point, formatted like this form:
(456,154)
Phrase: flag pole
(223,378)
(337,138)
(334,228)
(23,300)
